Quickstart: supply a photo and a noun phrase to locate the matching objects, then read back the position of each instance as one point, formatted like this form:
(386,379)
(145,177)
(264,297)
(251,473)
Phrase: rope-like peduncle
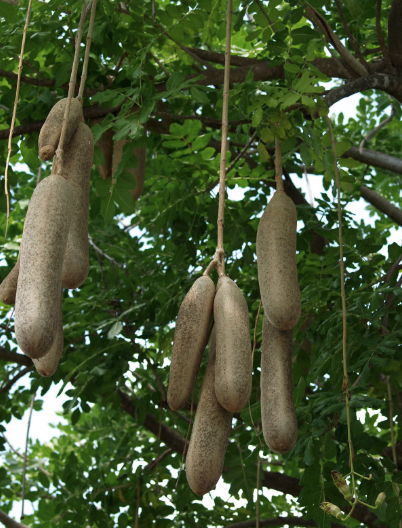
(225,126)
(87,50)
(278,166)
(343,296)
(58,162)
(17,94)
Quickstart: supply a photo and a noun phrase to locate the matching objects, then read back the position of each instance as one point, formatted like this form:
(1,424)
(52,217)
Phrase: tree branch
(349,33)
(381,125)
(382,204)
(22,373)
(375,158)
(10,523)
(331,37)
(378,81)
(281,521)
(20,359)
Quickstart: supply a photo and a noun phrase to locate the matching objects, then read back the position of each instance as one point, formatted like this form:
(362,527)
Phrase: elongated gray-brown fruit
(190,339)
(276,262)
(279,423)
(42,251)
(210,434)
(8,288)
(233,346)
(105,143)
(138,172)
(47,365)
(50,133)
(78,158)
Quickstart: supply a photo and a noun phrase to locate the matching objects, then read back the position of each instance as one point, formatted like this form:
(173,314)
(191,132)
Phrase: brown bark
(394,33)
(381,204)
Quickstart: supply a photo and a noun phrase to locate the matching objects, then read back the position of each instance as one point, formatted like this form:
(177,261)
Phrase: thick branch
(331,37)
(281,521)
(375,158)
(382,204)
(10,523)
(394,33)
(20,359)
(378,81)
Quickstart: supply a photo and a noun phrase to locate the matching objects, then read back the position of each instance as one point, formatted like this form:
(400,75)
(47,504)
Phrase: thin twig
(331,37)
(158,62)
(153,463)
(388,304)
(391,420)
(87,50)
(261,6)
(380,36)
(257,501)
(26,456)
(8,386)
(188,432)
(345,383)
(17,94)
(252,363)
(241,153)
(119,64)
(58,160)
(34,69)
(225,126)
(137,505)
(278,166)
(186,50)
(381,125)
(349,33)
(395,266)
(100,252)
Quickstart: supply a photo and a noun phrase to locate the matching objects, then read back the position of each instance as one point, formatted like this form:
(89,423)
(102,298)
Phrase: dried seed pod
(279,423)
(233,346)
(210,434)
(276,261)
(105,143)
(47,365)
(50,133)
(190,339)
(42,251)
(78,158)
(8,288)
(138,172)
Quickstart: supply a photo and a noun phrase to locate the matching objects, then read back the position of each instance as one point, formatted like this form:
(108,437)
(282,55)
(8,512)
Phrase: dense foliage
(158,81)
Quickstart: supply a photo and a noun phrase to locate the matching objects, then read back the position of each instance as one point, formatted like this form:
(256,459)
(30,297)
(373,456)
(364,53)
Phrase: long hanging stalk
(58,161)
(278,166)
(225,125)
(26,455)
(345,383)
(87,50)
(17,94)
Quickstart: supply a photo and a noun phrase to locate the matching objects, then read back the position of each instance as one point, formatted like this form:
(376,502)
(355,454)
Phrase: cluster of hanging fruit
(54,251)
(227,384)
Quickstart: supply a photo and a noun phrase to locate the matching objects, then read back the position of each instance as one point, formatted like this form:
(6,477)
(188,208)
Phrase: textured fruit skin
(47,365)
(276,261)
(138,172)
(279,423)
(50,133)
(78,158)
(8,288)
(190,339)
(210,434)
(233,347)
(105,143)
(42,251)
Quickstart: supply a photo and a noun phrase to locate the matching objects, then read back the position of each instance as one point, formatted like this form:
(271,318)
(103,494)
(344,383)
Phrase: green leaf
(262,151)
